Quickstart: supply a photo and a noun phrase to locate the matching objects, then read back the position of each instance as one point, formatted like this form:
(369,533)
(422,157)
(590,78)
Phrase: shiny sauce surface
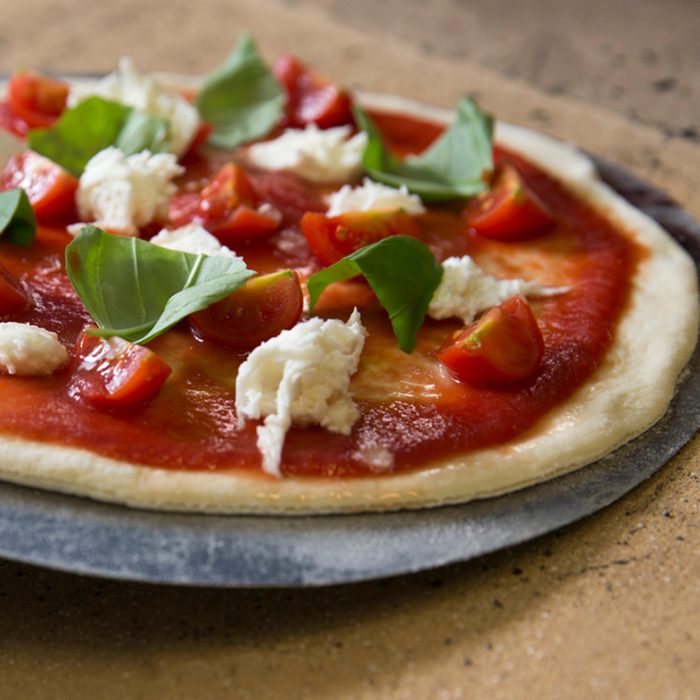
(412,412)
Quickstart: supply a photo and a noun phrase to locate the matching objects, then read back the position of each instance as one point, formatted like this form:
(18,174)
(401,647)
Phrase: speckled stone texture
(607,608)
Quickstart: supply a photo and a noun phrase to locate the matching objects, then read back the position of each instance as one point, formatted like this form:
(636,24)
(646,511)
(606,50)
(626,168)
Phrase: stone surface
(638,57)
(607,608)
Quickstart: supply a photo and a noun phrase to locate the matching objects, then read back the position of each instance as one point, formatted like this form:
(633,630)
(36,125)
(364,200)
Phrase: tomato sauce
(409,407)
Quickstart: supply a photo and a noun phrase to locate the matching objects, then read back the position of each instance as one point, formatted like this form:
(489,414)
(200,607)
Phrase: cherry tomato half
(261,309)
(37,100)
(288,193)
(509,211)
(51,190)
(332,238)
(503,346)
(12,297)
(311,98)
(227,207)
(228,189)
(11,122)
(113,373)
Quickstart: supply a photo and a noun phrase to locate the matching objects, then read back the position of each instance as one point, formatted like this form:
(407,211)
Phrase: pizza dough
(625,396)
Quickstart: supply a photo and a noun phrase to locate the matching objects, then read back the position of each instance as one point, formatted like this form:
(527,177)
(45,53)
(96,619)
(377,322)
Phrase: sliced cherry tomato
(287,193)
(183,208)
(227,207)
(261,309)
(311,98)
(113,373)
(37,100)
(509,211)
(229,188)
(12,297)
(332,238)
(250,224)
(11,122)
(503,346)
(51,190)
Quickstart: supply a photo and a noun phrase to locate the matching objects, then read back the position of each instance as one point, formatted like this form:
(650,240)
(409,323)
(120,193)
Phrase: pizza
(259,293)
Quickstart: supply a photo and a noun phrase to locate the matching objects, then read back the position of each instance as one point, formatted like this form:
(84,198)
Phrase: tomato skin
(288,70)
(11,122)
(183,208)
(227,207)
(261,309)
(503,346)
(287,193)
(51,189)
(229,188)
(115,374)
(248,224)
(510,211)
(332,238)
(35,99)
(311,98)
(12,297)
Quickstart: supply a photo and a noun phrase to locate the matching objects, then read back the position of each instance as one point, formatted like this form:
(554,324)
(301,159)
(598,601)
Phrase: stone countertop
(605,608)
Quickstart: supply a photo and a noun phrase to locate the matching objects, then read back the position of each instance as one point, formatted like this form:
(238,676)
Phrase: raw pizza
(259,293)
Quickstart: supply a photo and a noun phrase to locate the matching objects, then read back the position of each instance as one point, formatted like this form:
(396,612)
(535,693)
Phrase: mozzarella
(319,155)
(142,92)
(122,193)
(29,350)
(466,290)
(301,376)
(192,238)
(372,195)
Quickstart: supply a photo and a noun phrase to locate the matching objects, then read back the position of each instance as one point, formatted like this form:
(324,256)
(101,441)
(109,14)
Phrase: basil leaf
(404,275)
(93,125)
(242,99)
(138,290)
(453,166)
(17,220)
(142,131)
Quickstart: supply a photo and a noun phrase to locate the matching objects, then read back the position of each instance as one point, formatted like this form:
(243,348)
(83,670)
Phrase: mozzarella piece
(144,93)
(192,238)
(466,290)
(29,350)
(371,196)
(319,155)
(301,376)
(122,193)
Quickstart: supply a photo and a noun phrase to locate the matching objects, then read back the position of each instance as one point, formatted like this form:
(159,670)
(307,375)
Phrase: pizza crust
(628,393)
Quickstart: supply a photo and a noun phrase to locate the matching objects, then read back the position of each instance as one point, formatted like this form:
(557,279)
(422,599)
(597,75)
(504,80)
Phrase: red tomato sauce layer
(191,424)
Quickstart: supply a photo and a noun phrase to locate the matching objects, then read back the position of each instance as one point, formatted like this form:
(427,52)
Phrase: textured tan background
(607,608)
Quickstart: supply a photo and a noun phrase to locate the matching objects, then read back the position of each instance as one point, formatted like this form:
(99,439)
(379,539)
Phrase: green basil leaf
(242,99)
(404,275)
(138,290)
(143,131)
(17,220)
(453,166)
(93,125)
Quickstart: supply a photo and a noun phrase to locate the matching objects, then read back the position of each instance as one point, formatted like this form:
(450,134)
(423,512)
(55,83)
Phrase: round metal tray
(83,536)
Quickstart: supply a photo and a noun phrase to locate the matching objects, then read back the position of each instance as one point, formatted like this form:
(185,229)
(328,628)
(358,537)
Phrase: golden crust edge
(636,382)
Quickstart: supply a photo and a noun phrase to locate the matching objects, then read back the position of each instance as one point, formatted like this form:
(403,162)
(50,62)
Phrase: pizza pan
(86,537)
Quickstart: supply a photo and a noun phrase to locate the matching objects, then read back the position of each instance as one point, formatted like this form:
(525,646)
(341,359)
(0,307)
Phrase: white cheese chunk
(29,350)
(466,290)
(192,238)
(142,92)
(319,155)
(370,196)
(122,193)
(301,376)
